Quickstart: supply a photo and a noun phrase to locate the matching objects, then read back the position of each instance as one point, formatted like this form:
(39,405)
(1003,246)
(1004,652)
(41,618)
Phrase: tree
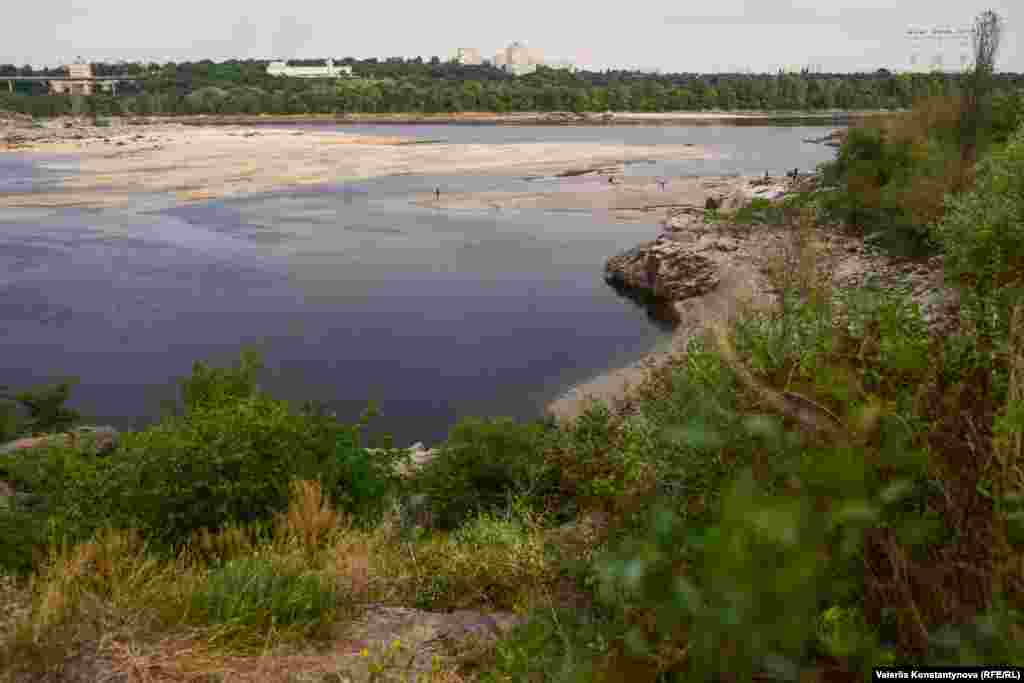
(987,33)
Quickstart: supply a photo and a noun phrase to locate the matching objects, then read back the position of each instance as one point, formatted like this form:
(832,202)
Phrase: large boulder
(680,271)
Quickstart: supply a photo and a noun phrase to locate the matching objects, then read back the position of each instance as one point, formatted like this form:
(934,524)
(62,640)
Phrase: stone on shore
(93,440)
(682,272)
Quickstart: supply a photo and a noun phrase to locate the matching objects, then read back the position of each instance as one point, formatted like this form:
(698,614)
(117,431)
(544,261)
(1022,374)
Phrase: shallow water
(350,296)
(351,293)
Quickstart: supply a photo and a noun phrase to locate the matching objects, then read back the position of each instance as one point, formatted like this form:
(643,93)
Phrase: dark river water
(350,292)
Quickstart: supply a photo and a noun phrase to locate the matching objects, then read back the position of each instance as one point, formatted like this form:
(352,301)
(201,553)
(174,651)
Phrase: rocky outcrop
(419,455)
(384,644)
(421,635)
(92,440)
(679,272)
(833,139)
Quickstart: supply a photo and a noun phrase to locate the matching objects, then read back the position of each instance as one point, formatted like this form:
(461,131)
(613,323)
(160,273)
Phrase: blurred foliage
(892,175)
(484,466)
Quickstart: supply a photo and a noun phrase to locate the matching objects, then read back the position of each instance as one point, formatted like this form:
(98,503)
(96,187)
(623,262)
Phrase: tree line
(433,86)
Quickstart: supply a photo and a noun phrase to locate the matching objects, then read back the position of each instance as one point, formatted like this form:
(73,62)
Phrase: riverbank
(117,161)
(720,270)
(529,118)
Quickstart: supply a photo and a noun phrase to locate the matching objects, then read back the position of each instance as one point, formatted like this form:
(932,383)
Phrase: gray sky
(762,35)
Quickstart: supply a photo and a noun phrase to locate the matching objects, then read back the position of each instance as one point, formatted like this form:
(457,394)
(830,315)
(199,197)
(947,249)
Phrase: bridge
(85,84)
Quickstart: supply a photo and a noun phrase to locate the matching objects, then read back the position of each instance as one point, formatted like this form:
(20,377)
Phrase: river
(350,292)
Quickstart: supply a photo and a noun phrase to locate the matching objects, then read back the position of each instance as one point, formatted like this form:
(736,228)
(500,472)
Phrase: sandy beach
(198,163)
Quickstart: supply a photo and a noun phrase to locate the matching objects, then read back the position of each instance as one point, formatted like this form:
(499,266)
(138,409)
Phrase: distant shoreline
(687,118)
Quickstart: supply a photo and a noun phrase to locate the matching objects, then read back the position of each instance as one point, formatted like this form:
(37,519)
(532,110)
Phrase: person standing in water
(437,193)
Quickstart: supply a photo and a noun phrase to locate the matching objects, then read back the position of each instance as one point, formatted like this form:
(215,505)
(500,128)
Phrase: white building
(468,55)
(939,48)
(565,64)
(328,70)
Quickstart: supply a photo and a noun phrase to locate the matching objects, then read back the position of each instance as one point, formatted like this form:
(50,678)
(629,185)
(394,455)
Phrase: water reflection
(660,313)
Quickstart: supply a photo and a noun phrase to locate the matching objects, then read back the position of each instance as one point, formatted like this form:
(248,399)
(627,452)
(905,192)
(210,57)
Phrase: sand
(197,162)
(626,199)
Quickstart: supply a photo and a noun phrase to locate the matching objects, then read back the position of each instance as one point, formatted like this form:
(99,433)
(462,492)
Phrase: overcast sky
(760,35)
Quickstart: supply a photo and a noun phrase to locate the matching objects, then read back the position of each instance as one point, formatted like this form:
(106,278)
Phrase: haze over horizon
(733,35)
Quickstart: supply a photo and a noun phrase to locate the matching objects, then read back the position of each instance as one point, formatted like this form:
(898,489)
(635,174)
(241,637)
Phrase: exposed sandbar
(197,163)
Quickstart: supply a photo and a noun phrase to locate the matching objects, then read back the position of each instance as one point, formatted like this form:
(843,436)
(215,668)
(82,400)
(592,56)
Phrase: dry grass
(310,518)
(134,609)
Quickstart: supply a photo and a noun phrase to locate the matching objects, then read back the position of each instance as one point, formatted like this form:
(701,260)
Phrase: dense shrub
(486,464)
(230,456)
(36,410)
(983,237)
(235,459)
(1007,115)
(891,176)
(22,536)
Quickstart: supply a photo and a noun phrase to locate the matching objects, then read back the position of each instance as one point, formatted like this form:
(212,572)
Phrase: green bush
(37,410)
(230,457)
(983,237)
(65,493)
(252,592)
(890,176)
(760,211)
(22,535)
(483,466)
(1007,115)
(235,461)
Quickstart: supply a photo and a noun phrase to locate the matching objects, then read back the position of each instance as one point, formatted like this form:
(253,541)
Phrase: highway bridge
(71,81)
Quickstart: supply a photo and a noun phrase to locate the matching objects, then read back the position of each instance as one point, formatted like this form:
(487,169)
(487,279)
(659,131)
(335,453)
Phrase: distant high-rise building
(518,59)
(81,84)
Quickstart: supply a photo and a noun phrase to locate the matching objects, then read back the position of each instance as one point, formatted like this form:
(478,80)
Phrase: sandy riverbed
(198,163)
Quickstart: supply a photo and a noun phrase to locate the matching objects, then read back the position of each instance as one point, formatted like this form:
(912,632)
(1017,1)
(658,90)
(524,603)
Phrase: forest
(432,86)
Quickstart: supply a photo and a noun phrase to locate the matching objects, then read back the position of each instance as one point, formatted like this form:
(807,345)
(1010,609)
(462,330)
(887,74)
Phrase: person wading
(437,193)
